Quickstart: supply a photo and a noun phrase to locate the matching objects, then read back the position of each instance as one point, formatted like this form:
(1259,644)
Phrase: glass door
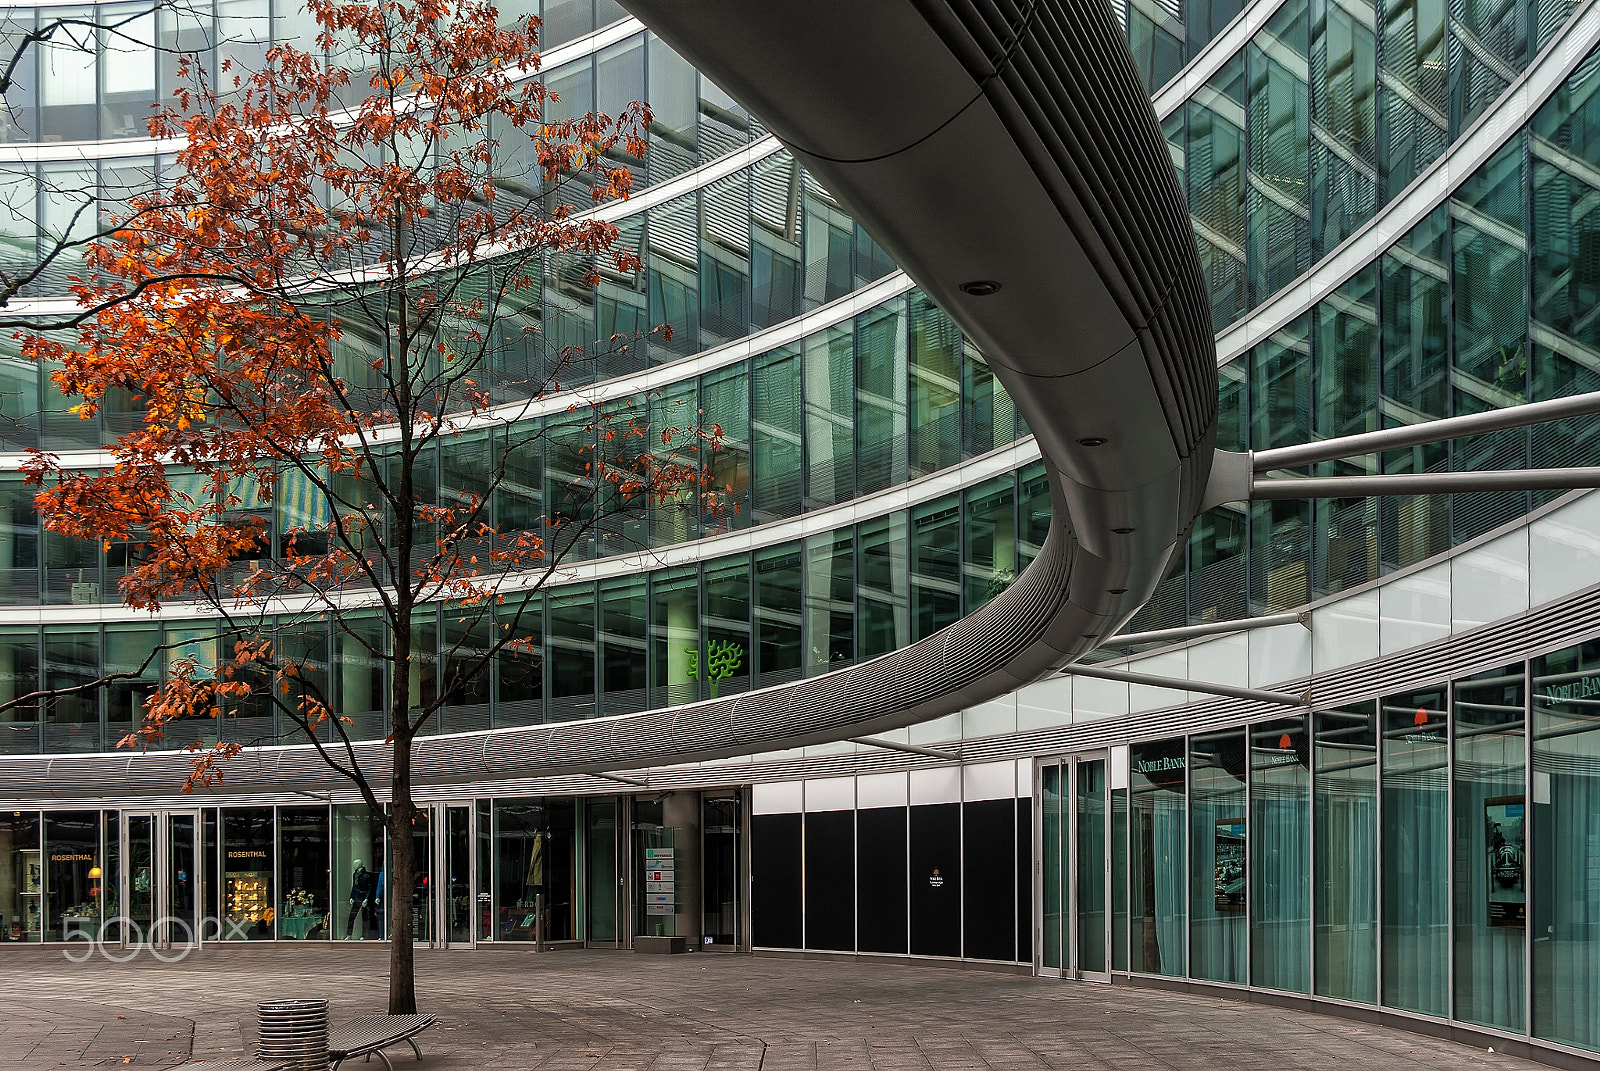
(182,880)
(1072,926)
(603,872)
(455,869)
(1091,865)
(157,887)
(721,892)
(138,892)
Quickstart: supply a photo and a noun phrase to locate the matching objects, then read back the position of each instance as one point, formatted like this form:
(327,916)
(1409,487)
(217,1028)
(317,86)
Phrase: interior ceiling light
(1093,440)
(980,287)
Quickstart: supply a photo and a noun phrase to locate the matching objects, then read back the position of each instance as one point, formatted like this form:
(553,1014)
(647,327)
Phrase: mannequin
(363,897)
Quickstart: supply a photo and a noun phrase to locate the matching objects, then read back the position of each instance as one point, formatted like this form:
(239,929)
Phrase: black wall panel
(775,880)
(936,880)
(881,886)
(1025,880)
(989,863)
(831,881)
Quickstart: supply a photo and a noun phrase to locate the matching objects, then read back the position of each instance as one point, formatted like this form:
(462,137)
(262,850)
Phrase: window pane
(305,912)
(1157,890)
(1347,854)
(249,895)
(1416,832)
(677,659)
(881,398)
(570,631)
(72,659)
(991,540)
(935,566)
(1280,861)
(777,480)
(883,585)
(725,403)
(777,588)
(358,912)
(534,858)
(1490,885)
(829,371)
(830,601)
(935,422)
(987,417)
(1566,829)
(74,882)
(1217,828)
(727,620)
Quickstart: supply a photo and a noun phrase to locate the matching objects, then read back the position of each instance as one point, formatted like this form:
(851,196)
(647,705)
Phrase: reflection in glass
(73,874)
(1416,835)
(303,867)
(1053,852)
(1566,831)
(247,866)
(1090,871)
(1280,857)
(1490,844)
(1219,876)
(1156,872)
(1346,845)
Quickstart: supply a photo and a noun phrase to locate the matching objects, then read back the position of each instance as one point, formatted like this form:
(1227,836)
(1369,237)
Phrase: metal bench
(374,1033)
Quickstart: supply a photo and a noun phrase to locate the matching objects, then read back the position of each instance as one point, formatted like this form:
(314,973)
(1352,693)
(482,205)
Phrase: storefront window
(1280,859)
(73,874)
(1416,835)
(248,901)
(534,856)
(1490,820)
(358,887)
(1346,845)
(1566,832)
(21,877)
(1157,913)
(1218,855)
(304,912)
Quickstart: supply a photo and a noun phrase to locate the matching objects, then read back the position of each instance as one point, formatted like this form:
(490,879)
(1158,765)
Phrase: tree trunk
(402,888)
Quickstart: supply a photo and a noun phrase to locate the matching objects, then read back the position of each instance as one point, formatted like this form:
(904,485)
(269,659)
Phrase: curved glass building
(1392,809)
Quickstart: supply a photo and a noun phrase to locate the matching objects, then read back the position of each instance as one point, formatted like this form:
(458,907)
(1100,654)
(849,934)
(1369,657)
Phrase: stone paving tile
(514,1010)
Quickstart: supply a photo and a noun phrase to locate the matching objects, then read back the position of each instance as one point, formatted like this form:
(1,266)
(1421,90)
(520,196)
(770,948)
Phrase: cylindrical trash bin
(295,1031)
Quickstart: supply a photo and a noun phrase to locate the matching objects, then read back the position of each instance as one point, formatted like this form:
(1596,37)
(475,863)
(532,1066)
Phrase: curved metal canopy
(1005,153)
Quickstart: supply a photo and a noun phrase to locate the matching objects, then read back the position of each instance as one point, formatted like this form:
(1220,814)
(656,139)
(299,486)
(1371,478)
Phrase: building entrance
(1072,925)
(158,888)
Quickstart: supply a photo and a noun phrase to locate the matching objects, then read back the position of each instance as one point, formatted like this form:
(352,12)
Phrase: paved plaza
(505,1010)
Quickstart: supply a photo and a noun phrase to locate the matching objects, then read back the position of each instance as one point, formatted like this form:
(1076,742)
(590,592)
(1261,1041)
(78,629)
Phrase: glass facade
(1480,305)
(1381,853)
(1425,852)
(309,873)
(609,647)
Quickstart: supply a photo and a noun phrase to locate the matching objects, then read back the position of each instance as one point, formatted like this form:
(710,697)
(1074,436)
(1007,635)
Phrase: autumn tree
(343,277)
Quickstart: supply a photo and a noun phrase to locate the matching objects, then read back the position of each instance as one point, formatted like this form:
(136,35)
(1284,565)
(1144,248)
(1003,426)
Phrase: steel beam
(1185,685)
(620,779)
(1211,628)
(909,749)
(1430,431)
(1424,483)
